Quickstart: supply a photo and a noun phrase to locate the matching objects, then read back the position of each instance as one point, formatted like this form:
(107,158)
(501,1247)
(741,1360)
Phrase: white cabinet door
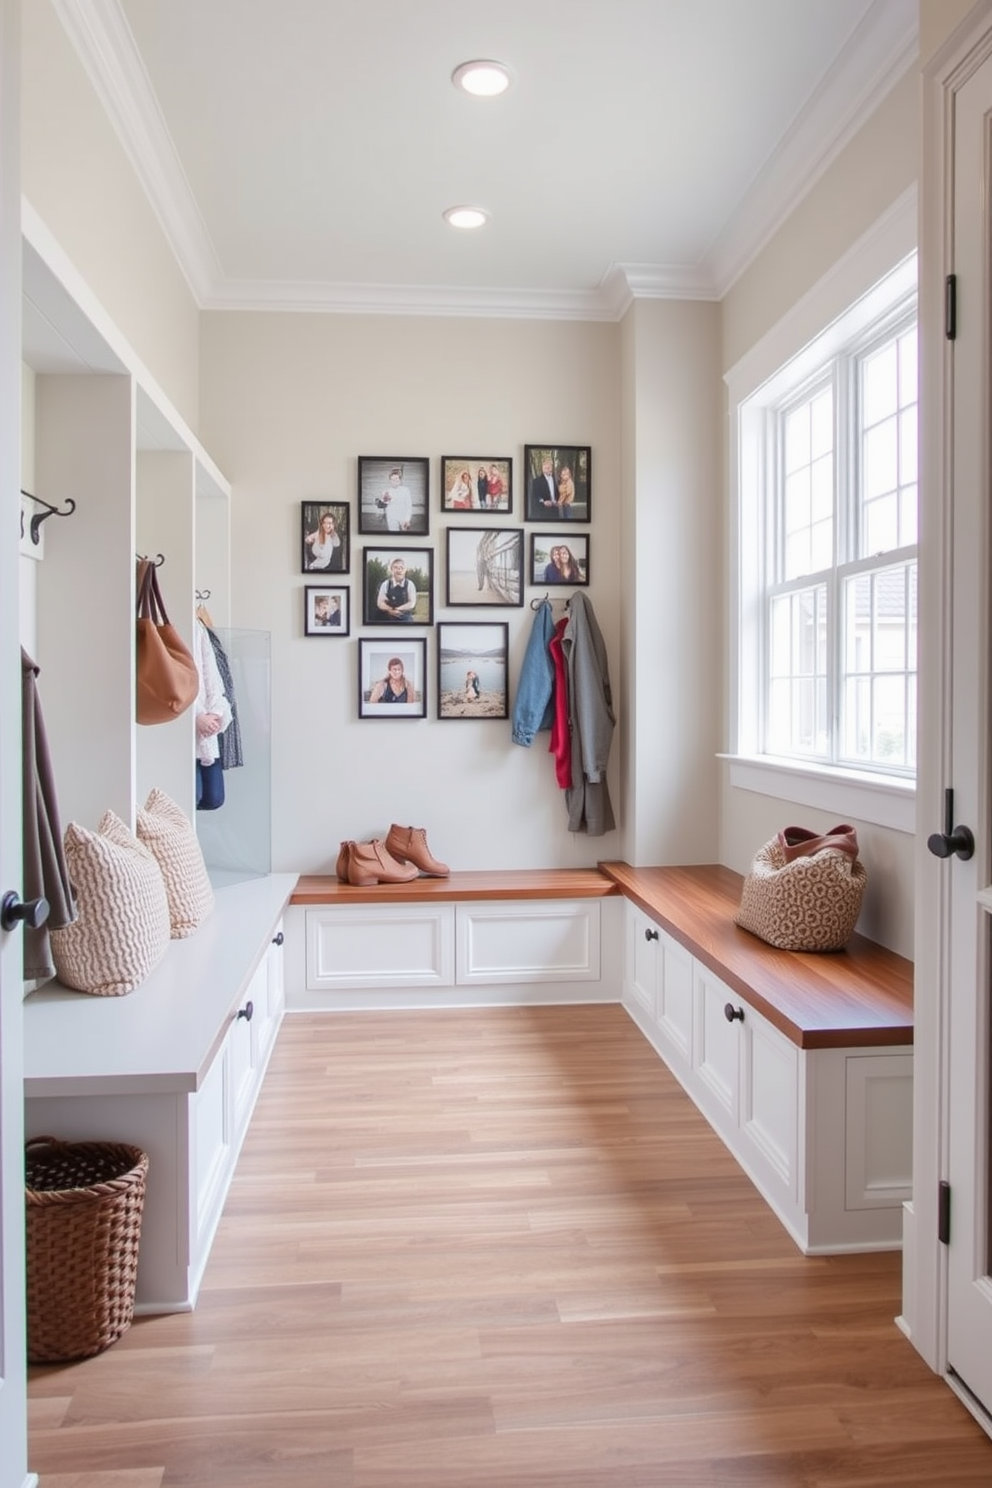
(769,1107)
(387,945)
(674,1011)
(716,1061)
(642,960)
(534,940)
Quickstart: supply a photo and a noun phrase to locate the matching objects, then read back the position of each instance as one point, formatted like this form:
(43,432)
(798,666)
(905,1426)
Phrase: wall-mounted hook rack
(34,528)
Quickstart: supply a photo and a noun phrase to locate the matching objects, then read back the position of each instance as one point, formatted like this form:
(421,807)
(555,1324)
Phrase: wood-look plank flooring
(501,1249)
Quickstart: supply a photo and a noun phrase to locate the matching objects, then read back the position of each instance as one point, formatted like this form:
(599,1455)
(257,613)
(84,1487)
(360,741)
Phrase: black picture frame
(541,504)
(485,566)
(326,611)
(545,571)
(311,515)
(377,570)
(393,495)
(473,669)
(460,471)
(378,657)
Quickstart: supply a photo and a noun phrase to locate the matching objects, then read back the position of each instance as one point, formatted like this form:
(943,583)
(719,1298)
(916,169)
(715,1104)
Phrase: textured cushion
(168,833)
(122,929)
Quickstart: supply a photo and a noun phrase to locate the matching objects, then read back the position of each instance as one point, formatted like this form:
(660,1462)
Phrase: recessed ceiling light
(482,79)
(466,216)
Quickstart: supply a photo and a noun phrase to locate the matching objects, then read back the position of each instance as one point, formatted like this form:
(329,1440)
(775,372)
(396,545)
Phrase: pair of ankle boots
(401,857)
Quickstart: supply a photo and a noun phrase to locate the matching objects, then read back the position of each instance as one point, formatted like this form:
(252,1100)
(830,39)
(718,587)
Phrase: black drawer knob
(650,935)
(247,1012)
(15,911)
(278,939)
(732,1014)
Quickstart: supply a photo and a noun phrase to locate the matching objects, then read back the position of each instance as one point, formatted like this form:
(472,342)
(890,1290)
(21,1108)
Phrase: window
(828,562)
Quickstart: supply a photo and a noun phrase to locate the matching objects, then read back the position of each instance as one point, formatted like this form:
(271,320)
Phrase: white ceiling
(301,152)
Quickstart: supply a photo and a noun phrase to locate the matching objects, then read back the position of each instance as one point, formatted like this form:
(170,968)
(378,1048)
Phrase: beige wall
(77,177)
(288,403)
(671,581)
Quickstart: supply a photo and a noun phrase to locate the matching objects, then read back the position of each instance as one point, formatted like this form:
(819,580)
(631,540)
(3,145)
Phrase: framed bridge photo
(485,566)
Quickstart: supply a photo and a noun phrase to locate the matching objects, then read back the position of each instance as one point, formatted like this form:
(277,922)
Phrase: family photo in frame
(398,586)
(391,678)
(392,495)
(553,561)
(485,567)
(473,483)
(325,529)
(326,611)
(472,662)
(558,482)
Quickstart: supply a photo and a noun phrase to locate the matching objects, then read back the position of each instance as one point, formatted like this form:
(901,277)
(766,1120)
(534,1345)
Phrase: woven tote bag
(804,889)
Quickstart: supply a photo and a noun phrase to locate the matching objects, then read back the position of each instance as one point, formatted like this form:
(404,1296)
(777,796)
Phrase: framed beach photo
(326,611)
(398,586)
(554,561)
(391,677)
(392,495)
(477,484)
(558,482)
(472,670)
(485,567)
(325,536)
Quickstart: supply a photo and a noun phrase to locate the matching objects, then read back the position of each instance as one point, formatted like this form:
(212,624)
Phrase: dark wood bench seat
(859,997)
(533,883)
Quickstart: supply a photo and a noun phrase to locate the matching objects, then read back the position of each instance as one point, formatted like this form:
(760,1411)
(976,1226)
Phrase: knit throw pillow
(121,932)
(169,834)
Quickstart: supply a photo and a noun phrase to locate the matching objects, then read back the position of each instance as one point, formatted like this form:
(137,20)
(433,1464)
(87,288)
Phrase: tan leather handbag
(803,891)
(167,679)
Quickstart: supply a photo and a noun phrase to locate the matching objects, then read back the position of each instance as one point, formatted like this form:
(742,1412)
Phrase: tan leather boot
(410,845)
(370,863)
(344,854)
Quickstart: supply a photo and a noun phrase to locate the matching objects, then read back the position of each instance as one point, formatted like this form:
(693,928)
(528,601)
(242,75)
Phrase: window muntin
(841,522)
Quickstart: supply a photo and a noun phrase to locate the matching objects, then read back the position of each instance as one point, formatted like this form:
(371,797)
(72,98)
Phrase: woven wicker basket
(84,1204)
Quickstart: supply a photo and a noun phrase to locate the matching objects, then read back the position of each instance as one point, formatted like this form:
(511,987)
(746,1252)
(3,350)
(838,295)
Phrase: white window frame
(873,278)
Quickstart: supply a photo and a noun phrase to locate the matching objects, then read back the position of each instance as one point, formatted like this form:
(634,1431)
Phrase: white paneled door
(965,1221)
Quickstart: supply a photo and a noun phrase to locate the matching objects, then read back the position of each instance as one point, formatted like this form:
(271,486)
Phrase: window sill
(879,799)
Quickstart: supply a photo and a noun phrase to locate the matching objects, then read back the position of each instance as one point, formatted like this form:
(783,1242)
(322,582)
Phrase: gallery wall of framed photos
(392,563)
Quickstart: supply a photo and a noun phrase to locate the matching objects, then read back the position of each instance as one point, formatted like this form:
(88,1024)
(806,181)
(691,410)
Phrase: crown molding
(879,52)
(105,46)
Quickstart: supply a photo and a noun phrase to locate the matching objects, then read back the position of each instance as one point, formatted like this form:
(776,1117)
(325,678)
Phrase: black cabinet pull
(733,1014)
(278,939)
(15,911)
(246,1012)
(650,935)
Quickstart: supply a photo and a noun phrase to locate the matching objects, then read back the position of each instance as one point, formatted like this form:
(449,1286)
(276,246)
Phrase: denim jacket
(533,706)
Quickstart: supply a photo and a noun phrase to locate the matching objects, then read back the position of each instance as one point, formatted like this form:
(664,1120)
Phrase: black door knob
(952,839)
(15,911)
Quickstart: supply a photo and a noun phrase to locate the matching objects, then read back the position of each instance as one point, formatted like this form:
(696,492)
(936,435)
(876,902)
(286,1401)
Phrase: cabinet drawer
(528,941)
(879,1099)
(769,1117)
(388,945)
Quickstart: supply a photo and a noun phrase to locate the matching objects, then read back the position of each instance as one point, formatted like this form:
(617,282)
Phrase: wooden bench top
(859,997)
(535,883)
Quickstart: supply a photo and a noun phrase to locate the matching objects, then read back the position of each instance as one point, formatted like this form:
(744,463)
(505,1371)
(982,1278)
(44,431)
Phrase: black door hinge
(944,1212)
(951,307)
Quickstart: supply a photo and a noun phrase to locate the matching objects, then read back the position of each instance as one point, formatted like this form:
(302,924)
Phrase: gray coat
(591,720)
(45,872)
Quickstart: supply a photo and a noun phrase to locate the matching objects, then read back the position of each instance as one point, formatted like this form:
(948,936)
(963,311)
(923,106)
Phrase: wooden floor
(500,1249)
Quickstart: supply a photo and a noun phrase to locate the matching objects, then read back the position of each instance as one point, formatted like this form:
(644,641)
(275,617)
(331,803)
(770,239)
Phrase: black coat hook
(43,516)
